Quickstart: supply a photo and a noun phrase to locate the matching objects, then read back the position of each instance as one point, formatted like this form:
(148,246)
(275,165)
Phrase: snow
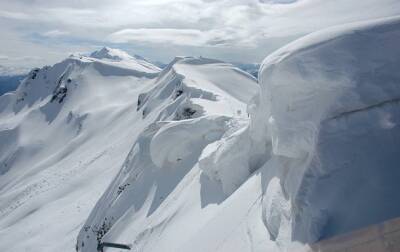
(199,156)
(188,138)
(72,125)
(329,102)
(57,157)
(278,181)
(206,86)
(227,160)
(194,103)
(111,54)
(121,58)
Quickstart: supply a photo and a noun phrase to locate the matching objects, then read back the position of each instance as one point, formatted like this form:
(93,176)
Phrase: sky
(43,32)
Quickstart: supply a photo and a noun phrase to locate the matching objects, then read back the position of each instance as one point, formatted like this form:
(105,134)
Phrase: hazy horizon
(39,32)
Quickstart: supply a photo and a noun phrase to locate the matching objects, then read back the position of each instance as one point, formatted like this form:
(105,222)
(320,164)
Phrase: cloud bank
(234,30)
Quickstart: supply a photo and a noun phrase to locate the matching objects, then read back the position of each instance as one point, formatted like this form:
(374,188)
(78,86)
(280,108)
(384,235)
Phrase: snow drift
(329,109)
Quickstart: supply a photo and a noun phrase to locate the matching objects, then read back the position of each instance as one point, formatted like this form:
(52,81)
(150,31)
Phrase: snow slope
(317,158)
(67,129)
(64,133)
(195,102)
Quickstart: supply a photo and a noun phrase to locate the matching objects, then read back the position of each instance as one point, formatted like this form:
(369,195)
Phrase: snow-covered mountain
(199,156)
(195,103)
(64,134)
(67,129)
(124,60)
(317,158)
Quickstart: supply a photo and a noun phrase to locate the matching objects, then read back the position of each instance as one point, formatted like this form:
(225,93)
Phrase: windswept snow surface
(318,157)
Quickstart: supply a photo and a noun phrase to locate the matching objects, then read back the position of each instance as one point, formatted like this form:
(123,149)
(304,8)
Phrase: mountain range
(201,155)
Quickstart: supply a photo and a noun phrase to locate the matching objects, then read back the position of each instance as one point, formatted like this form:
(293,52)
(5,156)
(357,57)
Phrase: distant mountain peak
(111,53)
(121,58)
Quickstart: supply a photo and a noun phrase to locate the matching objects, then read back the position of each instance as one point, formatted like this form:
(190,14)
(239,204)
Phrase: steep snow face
(64,134)
(329,109)
(195,103)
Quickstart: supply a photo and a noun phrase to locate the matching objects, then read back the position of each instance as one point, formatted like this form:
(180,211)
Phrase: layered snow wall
(329,109)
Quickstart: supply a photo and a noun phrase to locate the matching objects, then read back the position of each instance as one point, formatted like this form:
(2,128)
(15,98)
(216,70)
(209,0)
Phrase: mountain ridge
(68,129)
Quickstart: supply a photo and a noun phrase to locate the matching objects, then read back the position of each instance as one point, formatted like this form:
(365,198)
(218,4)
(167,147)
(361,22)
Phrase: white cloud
(183,37)
(223,28)
(55,33)
(29,58)
(3,57)
(174,36)
(13,15)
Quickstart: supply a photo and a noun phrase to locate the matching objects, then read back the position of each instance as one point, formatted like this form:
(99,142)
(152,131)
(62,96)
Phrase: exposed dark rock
(34,73)
(122,188)
(59,95)
(187,113)
(178,93)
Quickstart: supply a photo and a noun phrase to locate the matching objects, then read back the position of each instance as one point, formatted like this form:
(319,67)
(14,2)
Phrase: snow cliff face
(329,109)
